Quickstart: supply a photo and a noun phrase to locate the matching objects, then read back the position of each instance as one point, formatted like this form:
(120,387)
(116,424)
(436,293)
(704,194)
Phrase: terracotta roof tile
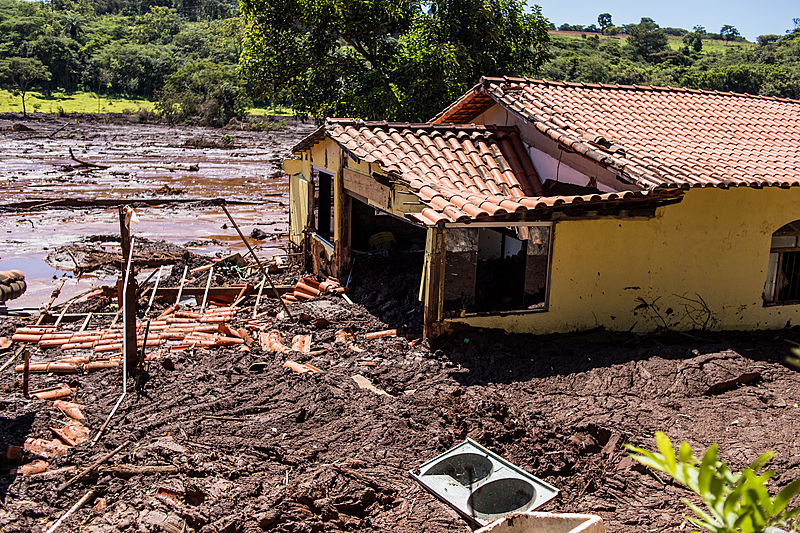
(459,172)
(659,136)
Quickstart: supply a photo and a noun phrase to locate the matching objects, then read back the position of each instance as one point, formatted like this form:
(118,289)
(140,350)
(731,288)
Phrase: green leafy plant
(734,502)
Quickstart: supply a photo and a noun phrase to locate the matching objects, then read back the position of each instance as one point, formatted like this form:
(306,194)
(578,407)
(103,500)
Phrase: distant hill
(770,67)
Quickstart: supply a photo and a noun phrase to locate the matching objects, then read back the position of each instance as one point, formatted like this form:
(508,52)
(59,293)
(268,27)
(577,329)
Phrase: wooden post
(26,371)
(343,247)
(435,279)
(129,312)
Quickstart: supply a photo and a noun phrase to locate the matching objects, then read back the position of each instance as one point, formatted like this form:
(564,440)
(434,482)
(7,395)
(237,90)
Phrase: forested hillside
(177,53)
(184,55)
(650,55)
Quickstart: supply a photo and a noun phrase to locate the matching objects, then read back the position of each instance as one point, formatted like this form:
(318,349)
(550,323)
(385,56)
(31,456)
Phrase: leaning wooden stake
(61,316)
(80,503)
(92,466)
(155,290)
(53,297)
(12,358)
(140,364)
(258,298)
(208,286)
(85,322)
(260,266)
(180,289)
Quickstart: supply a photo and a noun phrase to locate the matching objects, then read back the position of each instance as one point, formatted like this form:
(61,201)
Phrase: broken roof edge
(309,140)
(320,133)
(533,209)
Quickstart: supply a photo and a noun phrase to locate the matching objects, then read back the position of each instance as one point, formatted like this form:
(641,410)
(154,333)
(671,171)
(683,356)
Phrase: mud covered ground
(280,451)
(268,449)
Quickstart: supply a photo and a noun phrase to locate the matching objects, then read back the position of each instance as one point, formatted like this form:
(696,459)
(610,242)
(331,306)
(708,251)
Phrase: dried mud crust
(280,451)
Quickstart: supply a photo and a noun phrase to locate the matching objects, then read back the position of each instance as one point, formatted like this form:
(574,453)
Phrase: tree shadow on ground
(13,431)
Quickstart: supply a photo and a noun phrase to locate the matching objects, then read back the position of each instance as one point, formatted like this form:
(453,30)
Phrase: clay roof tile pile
(659,137)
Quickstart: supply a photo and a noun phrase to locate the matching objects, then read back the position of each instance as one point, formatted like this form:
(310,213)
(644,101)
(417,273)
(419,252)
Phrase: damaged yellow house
(552,207)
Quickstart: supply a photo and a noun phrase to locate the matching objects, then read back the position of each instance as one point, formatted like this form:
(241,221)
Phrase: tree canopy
(647,38)
(729,33)
(17,73)
(385,59)
(604,20)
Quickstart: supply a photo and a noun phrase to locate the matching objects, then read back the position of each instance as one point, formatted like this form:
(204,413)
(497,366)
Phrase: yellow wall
(713,245)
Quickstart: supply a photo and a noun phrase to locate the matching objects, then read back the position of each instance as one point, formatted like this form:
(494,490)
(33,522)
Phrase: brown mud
(146,164)
(263,448)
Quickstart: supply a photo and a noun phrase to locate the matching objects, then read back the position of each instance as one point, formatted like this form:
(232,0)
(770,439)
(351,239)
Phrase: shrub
(145,114)
(734,502)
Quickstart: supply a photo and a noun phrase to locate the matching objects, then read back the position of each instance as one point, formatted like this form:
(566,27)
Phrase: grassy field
(274,110)
(70,103)
(675,43)
(36,102)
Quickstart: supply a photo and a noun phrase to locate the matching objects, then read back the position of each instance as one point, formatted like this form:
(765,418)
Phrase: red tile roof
(655,136)
(459,172)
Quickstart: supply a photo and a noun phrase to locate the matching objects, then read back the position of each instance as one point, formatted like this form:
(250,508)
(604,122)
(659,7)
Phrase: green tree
(157,26)
(73,24)
(646,38)
(728,33)
(59,54)
(693,41)
(213,92)
(18,73)
(604,20)
(385,59)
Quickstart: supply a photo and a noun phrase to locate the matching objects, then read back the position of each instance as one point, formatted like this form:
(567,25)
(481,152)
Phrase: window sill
(778,304)
(495,313)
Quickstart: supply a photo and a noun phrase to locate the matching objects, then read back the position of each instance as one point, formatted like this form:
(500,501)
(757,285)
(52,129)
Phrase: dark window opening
(489,270)
(323,205)
(783,272)
(373,229)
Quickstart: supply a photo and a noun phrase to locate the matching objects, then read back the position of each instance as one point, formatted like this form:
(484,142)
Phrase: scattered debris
(347,337)
(480,485)
(301,367)
(308,289)
(381,334)
(365,383)
(62,390)
(72,410)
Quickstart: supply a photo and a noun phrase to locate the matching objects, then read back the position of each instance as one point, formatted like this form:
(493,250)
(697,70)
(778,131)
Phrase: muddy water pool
(144,162)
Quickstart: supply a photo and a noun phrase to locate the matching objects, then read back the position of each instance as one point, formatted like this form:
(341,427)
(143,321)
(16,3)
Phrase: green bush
(734,502)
